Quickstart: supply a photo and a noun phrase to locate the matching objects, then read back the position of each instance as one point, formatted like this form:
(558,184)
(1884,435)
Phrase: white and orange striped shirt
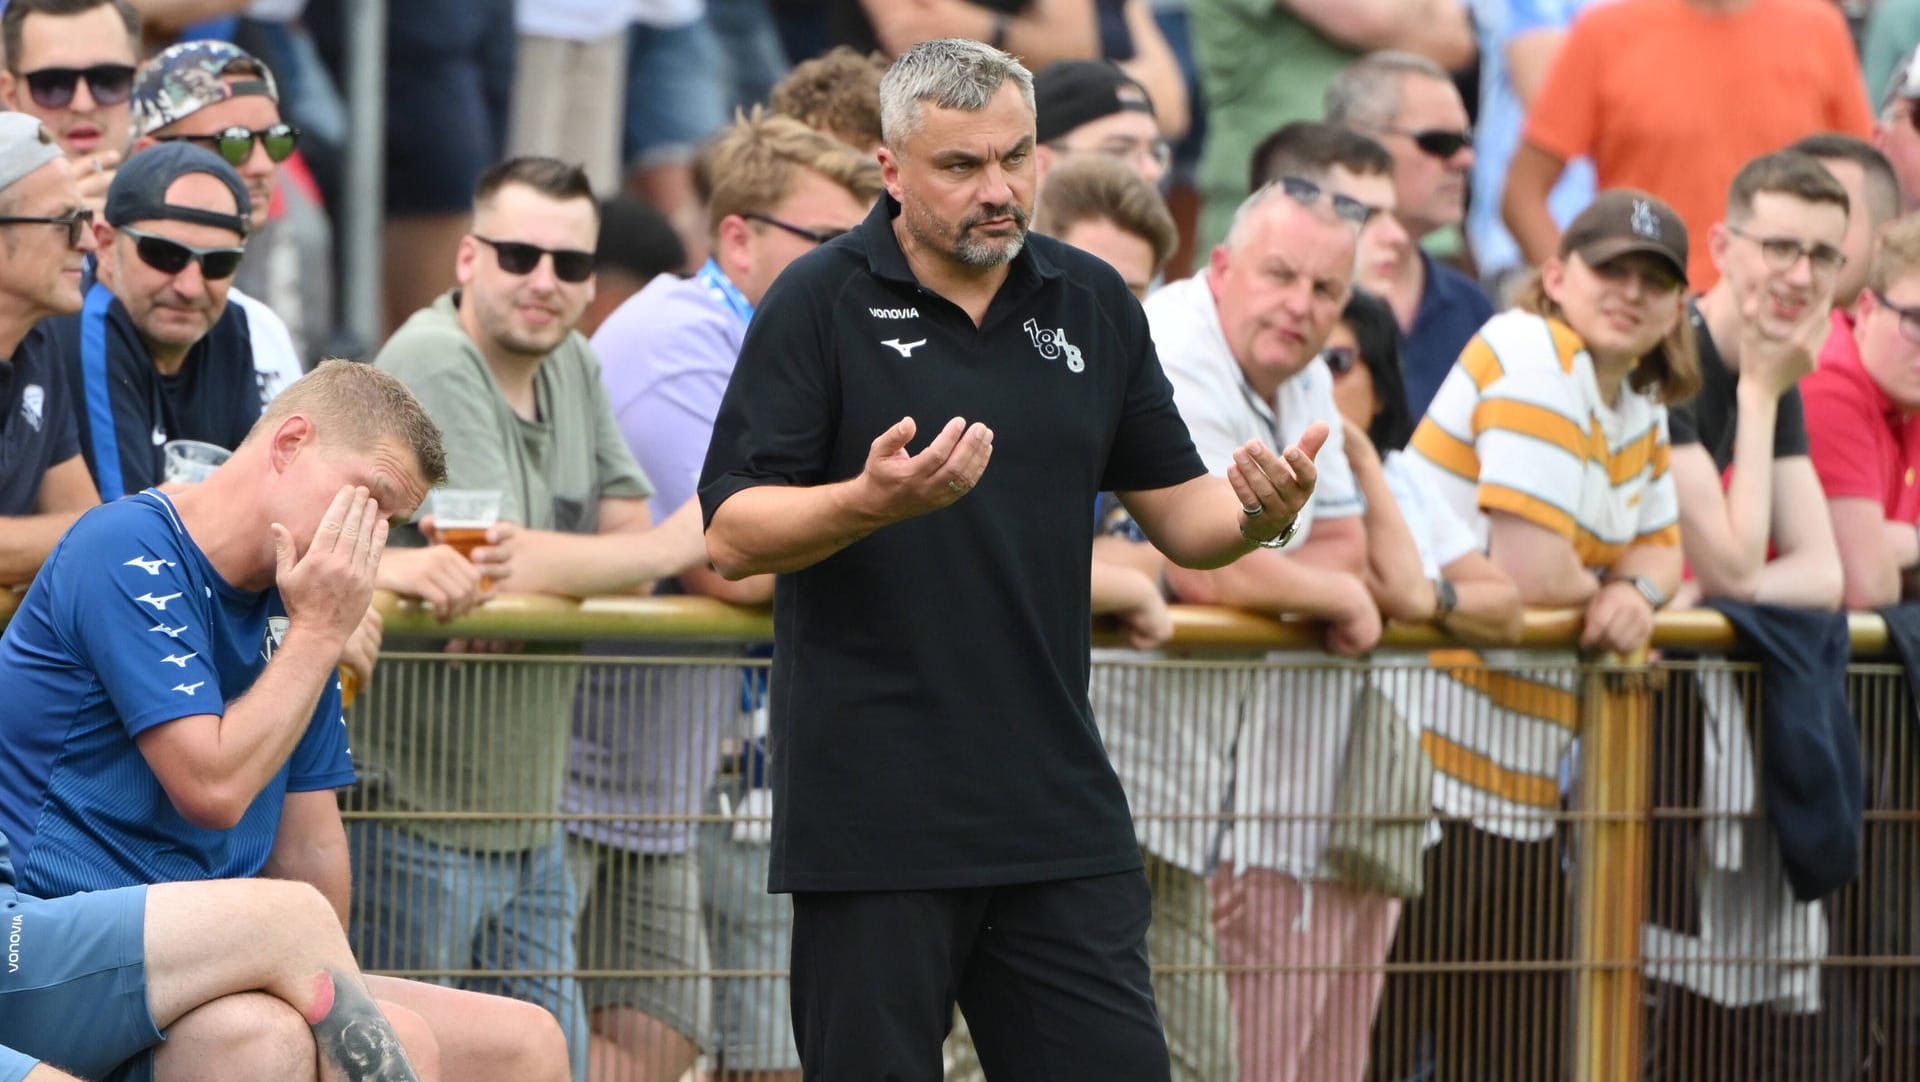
(1519,426)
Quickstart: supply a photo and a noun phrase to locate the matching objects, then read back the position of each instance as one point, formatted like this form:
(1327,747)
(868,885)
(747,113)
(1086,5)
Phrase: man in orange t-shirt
(1674,96)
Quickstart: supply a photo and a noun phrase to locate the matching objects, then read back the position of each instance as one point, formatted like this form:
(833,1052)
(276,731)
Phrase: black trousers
(1052,978)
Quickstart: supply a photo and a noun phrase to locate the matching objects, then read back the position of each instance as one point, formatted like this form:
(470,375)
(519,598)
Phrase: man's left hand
(1272,488)
(1618,618)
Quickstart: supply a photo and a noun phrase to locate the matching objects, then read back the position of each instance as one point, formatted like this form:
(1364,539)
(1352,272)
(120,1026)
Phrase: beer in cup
(463,516)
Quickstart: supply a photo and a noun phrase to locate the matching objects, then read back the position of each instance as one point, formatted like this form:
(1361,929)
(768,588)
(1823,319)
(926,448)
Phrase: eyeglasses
(1340,359)
(235,144)
(52,88)
(817,236)
(1909,317)
(172,256)
(77,222)
(1158,151)
(1438,142)
(514,257)
(1782,253)
(1307,193)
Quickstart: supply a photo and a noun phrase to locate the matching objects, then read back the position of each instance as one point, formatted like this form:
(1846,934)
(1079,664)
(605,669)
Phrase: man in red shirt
(1863,425)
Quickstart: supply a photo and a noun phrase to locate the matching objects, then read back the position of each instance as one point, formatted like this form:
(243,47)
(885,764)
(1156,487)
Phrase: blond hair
(1669,373)
(356,405)
(838,94)
(752,165)
(1091,187)
(1896,253)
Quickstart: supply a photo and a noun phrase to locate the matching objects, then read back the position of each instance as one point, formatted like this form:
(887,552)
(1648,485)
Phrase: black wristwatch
(1645,587)
(1445,598)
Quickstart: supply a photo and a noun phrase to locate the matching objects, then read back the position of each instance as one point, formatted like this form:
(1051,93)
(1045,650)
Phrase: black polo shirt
(126,409)
(36,429)
(1711,416)
(930,725)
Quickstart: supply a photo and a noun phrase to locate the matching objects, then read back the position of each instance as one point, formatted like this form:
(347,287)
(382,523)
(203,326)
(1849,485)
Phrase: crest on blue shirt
(276,631)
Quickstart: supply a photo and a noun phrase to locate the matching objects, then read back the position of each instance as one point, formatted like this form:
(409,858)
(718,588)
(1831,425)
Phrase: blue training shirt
(128,627)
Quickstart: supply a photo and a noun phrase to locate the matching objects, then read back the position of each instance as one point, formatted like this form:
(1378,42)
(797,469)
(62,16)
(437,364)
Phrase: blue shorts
(449,84)
(73,991)
(674,99)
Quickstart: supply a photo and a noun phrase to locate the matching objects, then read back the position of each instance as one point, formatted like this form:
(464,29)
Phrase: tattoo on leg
(354,1037)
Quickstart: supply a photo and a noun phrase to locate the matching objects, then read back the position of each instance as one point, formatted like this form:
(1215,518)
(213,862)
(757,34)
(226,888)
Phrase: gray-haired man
(944,814)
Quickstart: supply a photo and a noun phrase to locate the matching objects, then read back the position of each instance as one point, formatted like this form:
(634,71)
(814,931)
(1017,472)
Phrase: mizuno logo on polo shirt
(151,566)
(1053,344)
(895,313)
(179,660)
(906,348)
(169,632)
(189,688)
(159,603)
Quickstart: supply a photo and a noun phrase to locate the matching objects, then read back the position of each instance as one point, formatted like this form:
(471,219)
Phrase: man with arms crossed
(939,785)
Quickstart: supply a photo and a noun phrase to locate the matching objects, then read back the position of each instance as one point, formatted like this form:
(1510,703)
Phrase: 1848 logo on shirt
(1053,344)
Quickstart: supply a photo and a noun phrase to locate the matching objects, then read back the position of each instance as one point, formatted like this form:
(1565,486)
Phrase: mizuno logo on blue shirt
(159,603)
(189,688)
(151,565)
(180,659)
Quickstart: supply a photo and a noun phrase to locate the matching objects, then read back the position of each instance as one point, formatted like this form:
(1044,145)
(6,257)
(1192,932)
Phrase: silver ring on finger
(956,487)
(1255,511)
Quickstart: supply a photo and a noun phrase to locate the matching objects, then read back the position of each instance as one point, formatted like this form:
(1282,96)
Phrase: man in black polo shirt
(944,814)
(43,243)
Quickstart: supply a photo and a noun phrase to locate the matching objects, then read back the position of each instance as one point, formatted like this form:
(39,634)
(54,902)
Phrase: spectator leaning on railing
(517,393)
(1863,429)
(1550,437)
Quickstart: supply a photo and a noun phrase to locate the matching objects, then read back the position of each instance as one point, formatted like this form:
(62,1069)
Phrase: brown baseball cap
(1623,220)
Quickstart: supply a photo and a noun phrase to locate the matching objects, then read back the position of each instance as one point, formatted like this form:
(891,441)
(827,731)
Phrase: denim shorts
(73,991)
(674,96)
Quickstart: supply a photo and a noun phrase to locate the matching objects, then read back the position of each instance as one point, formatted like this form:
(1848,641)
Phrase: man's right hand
(327,589)
(895,485)
(1776,362)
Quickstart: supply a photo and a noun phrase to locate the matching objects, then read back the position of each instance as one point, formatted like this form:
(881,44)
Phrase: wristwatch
(1646,588)
(1445,598)
(1280,542)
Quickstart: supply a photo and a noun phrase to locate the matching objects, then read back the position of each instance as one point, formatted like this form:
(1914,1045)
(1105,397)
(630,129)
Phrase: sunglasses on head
(172,256)
(1438,142)
(235,144)
(569,264)
(76,222)
(52,88)
(1340,359)
(1307,193)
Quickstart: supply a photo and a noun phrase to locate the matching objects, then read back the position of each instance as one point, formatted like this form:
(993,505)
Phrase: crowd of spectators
(1611,305)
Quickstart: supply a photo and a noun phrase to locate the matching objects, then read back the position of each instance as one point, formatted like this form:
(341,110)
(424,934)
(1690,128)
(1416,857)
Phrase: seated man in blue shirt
(171,710)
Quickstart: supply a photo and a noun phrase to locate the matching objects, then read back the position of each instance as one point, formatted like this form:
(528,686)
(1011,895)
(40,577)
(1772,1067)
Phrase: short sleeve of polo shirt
(1152,448)
(776,420)
(1841,424)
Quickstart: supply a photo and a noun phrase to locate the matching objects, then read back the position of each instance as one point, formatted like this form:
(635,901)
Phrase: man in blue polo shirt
(157,354)
(43,482)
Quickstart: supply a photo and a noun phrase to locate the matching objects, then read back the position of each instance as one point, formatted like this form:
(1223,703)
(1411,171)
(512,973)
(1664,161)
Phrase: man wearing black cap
(43,239)
(156,353)
(1092,107)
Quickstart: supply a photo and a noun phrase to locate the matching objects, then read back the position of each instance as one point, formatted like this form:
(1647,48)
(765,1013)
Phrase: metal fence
(1638,927)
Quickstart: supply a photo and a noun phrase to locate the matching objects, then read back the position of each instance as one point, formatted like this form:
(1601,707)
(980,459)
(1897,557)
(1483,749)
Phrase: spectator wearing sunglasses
(1358,172)
(517,392)
(1411,106)
(217,96)
(46,235)
(1673,96)
(157,353)
(775,190)
(70,65)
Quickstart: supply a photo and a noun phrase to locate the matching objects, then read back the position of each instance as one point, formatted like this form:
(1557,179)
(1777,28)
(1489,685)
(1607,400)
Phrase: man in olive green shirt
(519,400)
(1266,63)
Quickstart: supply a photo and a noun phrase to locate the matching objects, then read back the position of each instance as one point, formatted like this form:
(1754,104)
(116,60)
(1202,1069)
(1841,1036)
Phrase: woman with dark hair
(1365,346)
